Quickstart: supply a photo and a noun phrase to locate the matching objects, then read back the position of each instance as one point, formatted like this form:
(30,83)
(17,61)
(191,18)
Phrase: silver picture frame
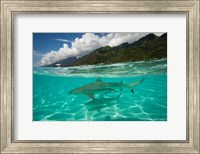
(11,7)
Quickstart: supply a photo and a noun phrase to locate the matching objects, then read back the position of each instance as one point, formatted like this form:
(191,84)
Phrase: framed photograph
(105,70)
(99,76)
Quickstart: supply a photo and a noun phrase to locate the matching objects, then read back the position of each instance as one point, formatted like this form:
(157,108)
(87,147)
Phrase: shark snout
(70,92)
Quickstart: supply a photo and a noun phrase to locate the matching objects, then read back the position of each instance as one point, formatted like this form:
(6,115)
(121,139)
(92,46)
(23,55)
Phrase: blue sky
(51,47)
(45,42)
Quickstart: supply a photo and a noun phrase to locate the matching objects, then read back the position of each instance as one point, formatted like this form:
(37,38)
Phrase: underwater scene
(131,91)
(112,76)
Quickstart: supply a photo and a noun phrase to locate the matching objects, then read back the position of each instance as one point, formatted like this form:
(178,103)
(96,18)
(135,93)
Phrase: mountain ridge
(62,63)
(146,48)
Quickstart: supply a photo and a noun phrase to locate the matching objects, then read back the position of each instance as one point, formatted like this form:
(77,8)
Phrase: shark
(99,86)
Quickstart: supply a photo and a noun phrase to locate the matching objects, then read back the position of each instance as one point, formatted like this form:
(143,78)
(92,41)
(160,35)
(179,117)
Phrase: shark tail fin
(133,84)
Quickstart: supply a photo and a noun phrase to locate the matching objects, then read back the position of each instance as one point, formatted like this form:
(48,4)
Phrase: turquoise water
(53,102)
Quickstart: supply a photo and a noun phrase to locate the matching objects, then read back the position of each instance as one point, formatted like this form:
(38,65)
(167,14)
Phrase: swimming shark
(99,86)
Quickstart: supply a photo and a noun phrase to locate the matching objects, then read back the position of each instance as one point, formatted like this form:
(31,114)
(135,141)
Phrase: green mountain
(62,63)
(146,48)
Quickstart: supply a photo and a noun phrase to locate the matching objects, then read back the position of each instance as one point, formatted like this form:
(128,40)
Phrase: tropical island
(149,47)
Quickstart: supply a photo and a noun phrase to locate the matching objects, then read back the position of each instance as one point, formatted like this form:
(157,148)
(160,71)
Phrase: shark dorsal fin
(98,80)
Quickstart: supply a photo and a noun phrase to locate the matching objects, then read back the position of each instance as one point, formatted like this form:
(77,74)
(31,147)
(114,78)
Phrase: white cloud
(119,38)
(54,56)
(37,58)
(63,40)
(89,42)
(159,33)
(86,44)
(37,54)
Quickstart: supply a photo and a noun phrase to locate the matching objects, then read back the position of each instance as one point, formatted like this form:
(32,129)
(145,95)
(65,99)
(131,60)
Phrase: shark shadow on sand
(101,102)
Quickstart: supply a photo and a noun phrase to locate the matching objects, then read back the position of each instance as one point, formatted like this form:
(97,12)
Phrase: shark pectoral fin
(90,96)
(131,85)
(132,90)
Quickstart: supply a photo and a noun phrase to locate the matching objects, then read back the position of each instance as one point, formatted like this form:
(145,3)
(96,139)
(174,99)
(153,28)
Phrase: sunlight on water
(148,102)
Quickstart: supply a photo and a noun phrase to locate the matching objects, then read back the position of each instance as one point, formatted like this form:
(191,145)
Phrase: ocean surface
(52,100)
